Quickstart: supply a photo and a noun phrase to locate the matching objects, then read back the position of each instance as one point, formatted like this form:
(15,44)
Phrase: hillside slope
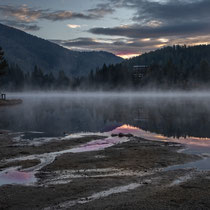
(27,51)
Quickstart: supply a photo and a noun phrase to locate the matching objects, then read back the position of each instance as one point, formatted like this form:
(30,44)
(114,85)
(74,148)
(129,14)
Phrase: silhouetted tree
(3,62)
(63,80)
(3,65)
(204,74)
(37,77)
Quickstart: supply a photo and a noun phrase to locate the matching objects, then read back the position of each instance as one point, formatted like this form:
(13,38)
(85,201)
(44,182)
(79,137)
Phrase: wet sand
(129,174)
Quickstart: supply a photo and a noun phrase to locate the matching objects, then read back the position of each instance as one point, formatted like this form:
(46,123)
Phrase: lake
(56,114)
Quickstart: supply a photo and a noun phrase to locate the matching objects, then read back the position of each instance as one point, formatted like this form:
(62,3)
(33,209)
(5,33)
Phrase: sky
(126,28)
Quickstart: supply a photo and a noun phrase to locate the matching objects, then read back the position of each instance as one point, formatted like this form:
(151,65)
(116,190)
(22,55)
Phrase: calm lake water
(171,115)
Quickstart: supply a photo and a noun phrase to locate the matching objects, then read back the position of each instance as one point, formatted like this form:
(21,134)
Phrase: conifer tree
(3,63)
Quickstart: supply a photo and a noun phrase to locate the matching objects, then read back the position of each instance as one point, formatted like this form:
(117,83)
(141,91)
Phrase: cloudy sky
(123,27)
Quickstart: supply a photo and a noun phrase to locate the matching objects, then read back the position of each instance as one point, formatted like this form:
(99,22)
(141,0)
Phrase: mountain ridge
(27,50)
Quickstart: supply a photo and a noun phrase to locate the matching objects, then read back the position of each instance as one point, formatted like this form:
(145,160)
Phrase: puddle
(13,176)
(99,144)
(201,165)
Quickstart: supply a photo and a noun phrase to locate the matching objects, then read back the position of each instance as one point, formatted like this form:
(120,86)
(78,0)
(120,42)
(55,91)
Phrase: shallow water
(13,176)
(27,176)
(201,165)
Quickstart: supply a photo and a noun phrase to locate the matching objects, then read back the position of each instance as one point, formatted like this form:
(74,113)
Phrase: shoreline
(10,102)
(114,177)
(142,93)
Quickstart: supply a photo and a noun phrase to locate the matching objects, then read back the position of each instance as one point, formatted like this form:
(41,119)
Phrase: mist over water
(177,114)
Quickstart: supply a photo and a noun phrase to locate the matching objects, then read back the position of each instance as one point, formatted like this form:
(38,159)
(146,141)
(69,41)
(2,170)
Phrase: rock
(122,135)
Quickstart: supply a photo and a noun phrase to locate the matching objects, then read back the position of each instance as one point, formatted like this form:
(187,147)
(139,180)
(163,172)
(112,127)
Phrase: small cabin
(139,71)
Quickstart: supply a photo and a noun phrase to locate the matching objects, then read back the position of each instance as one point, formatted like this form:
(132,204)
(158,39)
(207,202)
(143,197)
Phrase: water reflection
(191,142)
(100,144)
(56,116)
(13,176)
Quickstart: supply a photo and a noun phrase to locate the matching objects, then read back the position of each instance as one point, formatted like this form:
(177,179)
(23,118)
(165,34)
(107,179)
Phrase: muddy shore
(128,175)
(10,102)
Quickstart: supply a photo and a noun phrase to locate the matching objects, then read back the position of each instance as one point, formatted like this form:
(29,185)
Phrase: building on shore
(139,71)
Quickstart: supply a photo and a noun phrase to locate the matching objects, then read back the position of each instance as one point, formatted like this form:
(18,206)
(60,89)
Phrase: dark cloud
(162,19)
(21,25)
(66,15)
(22,13)
(166,11)
(27,14)
(139,31)
(116,46)
(101,10)
(173,10)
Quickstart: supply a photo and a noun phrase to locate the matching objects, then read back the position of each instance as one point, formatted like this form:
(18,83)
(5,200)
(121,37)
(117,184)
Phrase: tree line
(169,67)
(15,79)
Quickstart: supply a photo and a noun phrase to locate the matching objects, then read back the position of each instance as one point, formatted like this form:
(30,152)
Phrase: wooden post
(3,96)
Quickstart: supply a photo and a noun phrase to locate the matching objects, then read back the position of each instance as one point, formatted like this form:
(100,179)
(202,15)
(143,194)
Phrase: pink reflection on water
(99,144)
(189,140)
(128,129)
(12,176)
(195,141)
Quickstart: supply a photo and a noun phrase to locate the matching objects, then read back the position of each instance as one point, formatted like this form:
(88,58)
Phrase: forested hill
(27,51)
(178,66)
(182,56)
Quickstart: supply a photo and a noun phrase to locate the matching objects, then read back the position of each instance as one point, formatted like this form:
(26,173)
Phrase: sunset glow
(189,140)
(127,56)
(129,127)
